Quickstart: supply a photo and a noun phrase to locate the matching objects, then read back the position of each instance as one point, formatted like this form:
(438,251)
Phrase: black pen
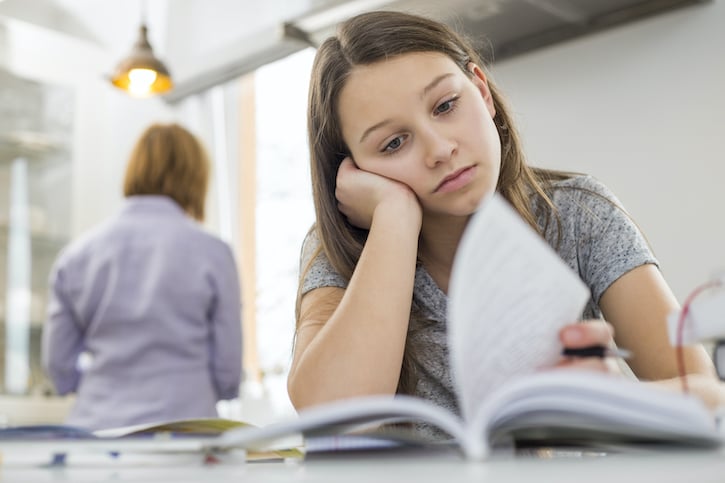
(596,351)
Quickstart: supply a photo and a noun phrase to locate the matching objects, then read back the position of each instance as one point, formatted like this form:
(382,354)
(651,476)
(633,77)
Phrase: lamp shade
(140,73)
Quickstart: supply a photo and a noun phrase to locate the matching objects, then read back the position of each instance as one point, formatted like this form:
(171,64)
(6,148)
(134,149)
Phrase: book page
(198,426)
(509,295)
(346,416)
(583,407)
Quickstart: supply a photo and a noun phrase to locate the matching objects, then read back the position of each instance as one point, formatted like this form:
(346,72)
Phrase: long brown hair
(366,39)
(169,160)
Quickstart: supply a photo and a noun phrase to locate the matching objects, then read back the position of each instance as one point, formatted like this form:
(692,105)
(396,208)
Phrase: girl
(407,134)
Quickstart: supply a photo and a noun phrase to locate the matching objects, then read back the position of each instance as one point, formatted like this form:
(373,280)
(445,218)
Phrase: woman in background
(149,299)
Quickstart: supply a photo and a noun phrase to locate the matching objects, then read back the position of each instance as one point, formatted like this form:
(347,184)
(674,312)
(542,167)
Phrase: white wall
(642,108)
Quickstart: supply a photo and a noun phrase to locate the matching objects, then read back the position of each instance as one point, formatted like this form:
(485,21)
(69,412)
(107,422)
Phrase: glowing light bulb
(141,81)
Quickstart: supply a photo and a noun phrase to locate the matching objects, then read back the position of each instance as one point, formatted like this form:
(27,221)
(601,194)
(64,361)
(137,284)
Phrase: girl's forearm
(359,350)
(706,387)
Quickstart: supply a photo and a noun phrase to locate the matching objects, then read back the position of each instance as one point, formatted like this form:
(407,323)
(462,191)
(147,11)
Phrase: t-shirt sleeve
(609,242)
(320,272)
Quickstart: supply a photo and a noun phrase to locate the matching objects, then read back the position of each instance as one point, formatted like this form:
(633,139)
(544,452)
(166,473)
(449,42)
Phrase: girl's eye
(446,106)
(393,145)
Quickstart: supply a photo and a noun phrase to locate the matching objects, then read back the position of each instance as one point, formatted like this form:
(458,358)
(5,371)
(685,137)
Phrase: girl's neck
(438,245)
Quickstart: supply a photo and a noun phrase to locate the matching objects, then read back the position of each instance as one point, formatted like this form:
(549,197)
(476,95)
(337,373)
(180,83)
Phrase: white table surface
(662,466)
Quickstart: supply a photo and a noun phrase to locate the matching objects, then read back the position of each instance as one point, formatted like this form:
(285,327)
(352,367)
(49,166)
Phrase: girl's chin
(457,212)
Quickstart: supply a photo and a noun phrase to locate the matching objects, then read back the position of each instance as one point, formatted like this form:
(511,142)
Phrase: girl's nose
(440,146)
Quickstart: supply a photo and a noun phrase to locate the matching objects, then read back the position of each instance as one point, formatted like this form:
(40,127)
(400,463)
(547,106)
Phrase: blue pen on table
(596,351)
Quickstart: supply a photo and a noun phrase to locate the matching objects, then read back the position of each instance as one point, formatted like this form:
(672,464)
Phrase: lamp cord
(143,11)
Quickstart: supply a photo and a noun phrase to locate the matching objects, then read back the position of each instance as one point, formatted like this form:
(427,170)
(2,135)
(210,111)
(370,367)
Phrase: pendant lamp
(141,73)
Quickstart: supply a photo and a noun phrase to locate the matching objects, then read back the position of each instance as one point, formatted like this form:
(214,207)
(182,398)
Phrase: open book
(510,293)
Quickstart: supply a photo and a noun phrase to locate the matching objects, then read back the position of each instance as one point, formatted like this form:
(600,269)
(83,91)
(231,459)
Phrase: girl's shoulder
(315,268)
(583,182)
(582,191)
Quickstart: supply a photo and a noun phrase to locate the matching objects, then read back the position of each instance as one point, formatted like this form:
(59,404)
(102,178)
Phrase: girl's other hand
(586,334)
(359,193)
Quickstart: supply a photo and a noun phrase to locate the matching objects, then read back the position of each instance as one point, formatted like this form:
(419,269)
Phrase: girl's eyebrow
(373,128)
(434,83)
(425,91)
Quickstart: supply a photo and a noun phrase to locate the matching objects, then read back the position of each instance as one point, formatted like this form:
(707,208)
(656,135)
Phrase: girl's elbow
(301,393)
(294,392)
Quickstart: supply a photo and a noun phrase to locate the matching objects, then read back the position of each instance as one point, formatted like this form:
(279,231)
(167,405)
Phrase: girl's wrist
(401,211)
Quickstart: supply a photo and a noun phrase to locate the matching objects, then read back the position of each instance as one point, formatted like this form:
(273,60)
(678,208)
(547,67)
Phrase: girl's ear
(478,77)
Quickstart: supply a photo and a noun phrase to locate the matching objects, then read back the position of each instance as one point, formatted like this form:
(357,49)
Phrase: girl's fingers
(606,364)
(587,334)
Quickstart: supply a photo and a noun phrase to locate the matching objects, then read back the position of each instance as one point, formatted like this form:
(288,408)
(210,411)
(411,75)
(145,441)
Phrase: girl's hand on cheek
(360,192)
(587,334)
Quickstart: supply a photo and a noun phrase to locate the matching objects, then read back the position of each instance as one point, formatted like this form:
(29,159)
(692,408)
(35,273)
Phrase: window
(283,214)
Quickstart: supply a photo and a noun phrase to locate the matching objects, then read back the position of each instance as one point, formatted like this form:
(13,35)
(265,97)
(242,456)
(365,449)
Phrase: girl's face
(418,119)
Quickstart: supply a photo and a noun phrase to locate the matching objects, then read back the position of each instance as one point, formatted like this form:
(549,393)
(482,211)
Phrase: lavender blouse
(152,301)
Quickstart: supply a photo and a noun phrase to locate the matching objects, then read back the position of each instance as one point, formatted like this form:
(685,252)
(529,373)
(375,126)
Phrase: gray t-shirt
(597,239)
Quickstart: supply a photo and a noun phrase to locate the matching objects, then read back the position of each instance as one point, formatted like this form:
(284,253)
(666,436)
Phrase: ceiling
(206,42)
(511,27)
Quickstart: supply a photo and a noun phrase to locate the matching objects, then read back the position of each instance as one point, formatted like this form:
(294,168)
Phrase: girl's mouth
(456,180)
